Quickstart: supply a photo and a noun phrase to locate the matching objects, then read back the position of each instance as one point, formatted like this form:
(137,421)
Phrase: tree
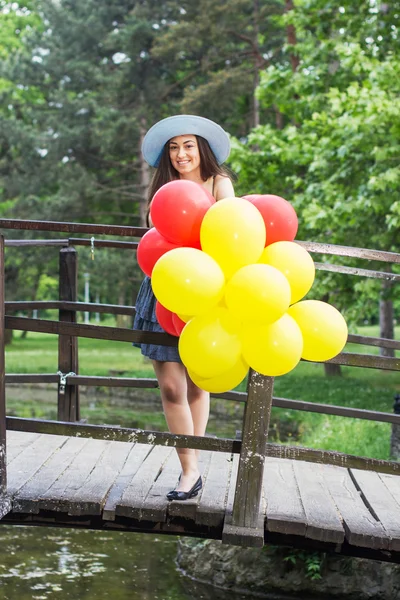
(336,157)
(217,51)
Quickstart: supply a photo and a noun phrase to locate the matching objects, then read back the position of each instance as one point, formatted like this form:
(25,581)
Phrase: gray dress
(146,320)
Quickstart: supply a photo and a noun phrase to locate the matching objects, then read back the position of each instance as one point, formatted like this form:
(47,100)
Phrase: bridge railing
(244,526)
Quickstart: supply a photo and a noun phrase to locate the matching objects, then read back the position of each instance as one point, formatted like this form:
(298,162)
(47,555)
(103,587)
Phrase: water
(41,563)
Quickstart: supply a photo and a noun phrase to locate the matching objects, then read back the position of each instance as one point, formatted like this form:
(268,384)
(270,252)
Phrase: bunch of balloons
(229,280)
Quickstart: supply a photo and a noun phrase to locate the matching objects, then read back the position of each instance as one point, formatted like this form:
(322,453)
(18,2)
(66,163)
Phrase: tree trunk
(122,320)
(386,318)
(144,177)
(332,370)
(291,38)
(395,437)
(8,336)
(256,80)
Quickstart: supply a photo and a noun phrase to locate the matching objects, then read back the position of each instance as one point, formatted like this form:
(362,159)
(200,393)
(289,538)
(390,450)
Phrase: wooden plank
(361,528)
(132,499)
(113,309)
(98,332)
(342,411)
(17,441)
(188,509)
(25,466)
(392,482)
(124,434)
(90,498)
(3,430)
(380,502)
(155,506)
(137,455)
(246,505)
(368,361)
(65,227)
(211,507)
(322,248)
(372,341)
(333,458)
(59,496)
(92,380)
(28,498)
(356,271)
(284,508)
(32,378)
(323,521)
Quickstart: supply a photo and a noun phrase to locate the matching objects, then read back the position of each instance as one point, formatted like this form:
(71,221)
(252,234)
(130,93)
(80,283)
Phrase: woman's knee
(172,390)
(195,393)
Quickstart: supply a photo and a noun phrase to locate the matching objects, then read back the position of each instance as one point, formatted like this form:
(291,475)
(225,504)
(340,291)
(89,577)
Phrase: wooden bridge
(68,473)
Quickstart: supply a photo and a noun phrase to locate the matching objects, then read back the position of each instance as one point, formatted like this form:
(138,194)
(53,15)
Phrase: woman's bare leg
(171,377)
(199,404)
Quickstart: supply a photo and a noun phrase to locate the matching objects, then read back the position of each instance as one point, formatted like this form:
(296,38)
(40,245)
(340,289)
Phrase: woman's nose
(181,151)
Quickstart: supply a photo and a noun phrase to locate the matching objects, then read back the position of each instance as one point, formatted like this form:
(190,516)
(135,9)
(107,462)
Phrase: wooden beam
(373,341)
(97,332)
(319,248)
(358,272)
(68,395)
(329,457)
(123,434)
(73,227)
(3,459)
(246,504)
(115,309)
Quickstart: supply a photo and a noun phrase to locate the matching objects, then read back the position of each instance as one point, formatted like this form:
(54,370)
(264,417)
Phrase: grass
(359,388)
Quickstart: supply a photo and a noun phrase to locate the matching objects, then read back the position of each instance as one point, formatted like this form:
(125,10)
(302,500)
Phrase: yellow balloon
(273,349)
(224,382)
(185,318)
(210,344)
(295,263)
(258,293)
(323,327)
(187,281)
(233,233)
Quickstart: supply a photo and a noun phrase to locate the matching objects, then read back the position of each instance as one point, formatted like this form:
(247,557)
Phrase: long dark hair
(165,172)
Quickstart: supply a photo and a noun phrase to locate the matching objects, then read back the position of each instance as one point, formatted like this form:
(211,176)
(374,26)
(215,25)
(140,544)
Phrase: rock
(280,573)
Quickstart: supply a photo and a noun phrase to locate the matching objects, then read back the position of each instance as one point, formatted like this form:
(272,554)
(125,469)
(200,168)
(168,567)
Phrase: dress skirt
(146,320)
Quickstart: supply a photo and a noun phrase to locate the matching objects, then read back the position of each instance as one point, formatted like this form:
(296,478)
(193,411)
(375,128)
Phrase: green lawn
(364,388)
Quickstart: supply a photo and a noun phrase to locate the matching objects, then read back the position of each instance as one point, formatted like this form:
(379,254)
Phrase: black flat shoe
(175,495)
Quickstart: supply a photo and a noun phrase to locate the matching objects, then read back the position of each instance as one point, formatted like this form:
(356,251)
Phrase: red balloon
(178,323)
(279,217)
(150,248)
(177,210)
(165,319)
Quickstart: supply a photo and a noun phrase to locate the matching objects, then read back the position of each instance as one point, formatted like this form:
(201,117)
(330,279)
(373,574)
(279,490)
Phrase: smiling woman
(192,148)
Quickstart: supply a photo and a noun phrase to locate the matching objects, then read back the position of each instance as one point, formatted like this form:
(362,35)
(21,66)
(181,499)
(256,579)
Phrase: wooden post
(3,470)
(246,504)
(5,504)
(68,395)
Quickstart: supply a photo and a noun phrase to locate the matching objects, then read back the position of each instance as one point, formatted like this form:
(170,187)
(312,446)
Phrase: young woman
(181,147)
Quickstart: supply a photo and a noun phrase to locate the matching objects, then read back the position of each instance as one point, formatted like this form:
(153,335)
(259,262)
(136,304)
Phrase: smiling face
(185,156)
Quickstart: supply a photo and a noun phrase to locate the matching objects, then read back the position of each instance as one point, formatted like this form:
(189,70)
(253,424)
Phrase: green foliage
(311,563)
(336,156)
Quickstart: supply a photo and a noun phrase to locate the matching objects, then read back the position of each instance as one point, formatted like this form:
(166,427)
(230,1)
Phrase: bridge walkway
(84,482)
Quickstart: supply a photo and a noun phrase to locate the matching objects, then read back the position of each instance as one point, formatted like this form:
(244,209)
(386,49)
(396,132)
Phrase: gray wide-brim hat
(158,135)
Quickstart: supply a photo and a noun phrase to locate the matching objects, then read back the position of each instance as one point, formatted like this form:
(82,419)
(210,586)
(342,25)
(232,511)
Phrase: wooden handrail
(258,401)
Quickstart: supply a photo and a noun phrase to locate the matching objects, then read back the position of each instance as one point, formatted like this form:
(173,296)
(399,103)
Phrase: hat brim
(158,135)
